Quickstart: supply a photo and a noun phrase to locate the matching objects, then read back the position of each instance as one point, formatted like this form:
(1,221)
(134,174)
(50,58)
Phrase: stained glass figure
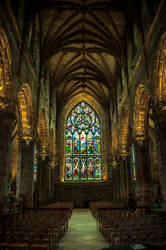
(83,142)
(68,168)
(90,142)
(83,146)
(76,143)
(69,143)
(76,170)
(97,143)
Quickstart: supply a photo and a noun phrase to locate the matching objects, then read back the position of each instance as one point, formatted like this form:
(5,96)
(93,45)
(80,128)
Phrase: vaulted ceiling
(84,44)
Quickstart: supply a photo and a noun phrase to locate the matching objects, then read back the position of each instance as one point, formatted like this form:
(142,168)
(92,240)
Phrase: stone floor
(82,234)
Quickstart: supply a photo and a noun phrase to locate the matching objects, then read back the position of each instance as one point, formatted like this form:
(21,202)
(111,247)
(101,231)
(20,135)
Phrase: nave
(82,233)
(60,226)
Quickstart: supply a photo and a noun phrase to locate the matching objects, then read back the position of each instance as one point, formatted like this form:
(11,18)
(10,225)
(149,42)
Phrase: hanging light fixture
(114,162)
(140,139)
(123,155)
(27,136)
(52,164)
(43,153)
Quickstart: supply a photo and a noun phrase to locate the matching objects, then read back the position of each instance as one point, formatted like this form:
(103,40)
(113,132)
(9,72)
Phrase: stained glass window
(35,164)
(133,163)
(83,144)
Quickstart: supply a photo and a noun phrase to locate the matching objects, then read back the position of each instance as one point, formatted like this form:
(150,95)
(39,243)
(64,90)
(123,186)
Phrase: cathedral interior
(83,111)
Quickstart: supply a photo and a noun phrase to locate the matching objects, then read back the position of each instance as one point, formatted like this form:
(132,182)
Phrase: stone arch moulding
(6,86)
(43,133)
(104,128)
(141,106)
(26,113)
(159,76)
(124,133)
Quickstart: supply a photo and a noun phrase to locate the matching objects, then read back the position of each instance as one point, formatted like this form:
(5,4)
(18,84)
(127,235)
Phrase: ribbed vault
(83,43)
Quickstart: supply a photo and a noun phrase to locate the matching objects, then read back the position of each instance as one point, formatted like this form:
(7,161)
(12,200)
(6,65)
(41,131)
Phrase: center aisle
(82,233)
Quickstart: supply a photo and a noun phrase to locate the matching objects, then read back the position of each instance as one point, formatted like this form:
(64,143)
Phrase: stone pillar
(160,125)
(26,175)
(126,178)
(43,181)
(6,127)
(143,186)
(114,183)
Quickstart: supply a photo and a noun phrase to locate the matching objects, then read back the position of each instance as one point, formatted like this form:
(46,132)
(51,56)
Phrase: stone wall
(82,194)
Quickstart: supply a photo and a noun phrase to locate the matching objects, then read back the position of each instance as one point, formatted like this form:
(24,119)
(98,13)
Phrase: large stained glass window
(83,151)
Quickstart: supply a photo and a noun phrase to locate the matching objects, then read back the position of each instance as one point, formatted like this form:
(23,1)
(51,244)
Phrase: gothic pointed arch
(6,86)
(25,109)
(101,114)
(160,74)
(43,133)
(83,144)
(124,133)
(140,115)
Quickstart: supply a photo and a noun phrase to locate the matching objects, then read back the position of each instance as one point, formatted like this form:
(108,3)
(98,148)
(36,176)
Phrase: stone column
(26,175)
(6,127)
(143,186)
(126,178)
(160,125)
(114,183)
(43,181)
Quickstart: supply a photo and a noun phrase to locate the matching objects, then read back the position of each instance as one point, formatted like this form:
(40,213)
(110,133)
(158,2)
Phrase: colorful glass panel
(35,163)
(76,169)
(91,172)
(90,143)
(76,143)
(83,153)
(83,142)
(69,143)
(98,169)
(97,143)
(68,169)
(133,162)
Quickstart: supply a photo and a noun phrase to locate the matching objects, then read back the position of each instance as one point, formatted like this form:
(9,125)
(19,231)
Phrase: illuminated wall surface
(83,153)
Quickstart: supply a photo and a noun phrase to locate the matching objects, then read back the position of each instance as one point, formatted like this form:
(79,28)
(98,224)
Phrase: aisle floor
(82,233)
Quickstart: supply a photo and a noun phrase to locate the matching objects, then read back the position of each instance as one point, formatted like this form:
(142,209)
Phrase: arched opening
(43,134)
(83,144)
(105,139)
(25,113)
(160,75)
(5,71)
(141,106)
(124,134)
(140,148)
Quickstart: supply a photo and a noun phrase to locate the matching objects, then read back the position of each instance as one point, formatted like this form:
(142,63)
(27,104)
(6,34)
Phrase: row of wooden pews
(36,229)
(121,227)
